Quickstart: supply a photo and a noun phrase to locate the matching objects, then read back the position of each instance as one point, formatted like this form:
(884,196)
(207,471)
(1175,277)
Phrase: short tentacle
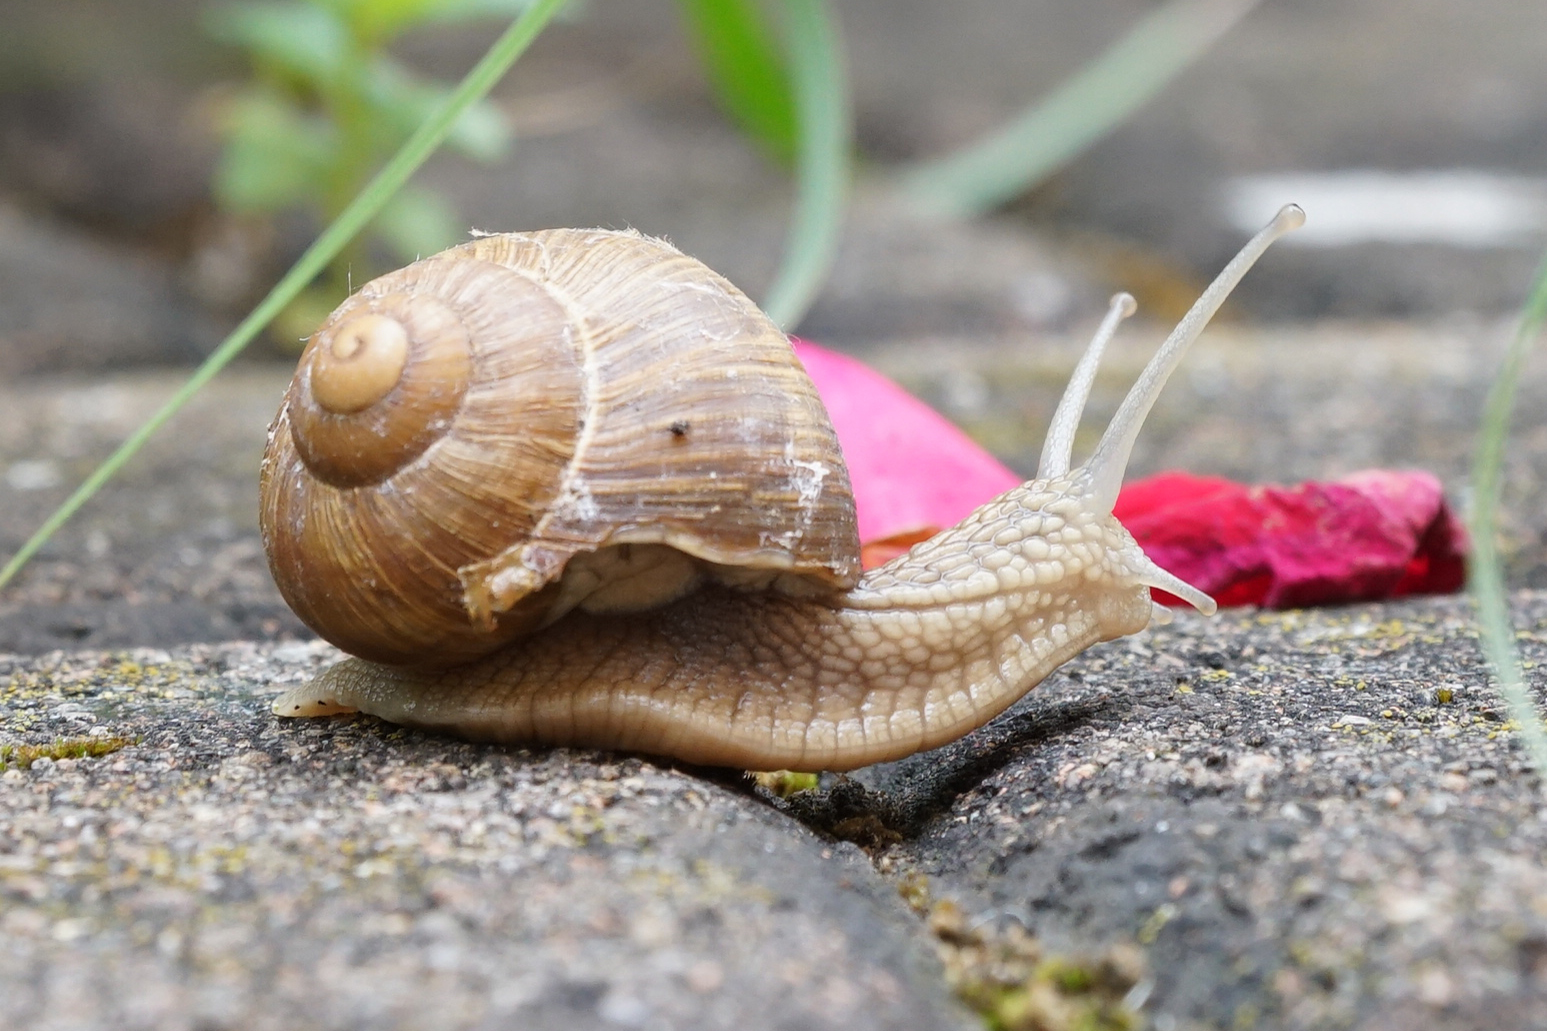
(1151,575)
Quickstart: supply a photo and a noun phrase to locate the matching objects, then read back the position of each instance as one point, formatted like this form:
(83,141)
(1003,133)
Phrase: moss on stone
(784,783)
(1007,977)
(23,756)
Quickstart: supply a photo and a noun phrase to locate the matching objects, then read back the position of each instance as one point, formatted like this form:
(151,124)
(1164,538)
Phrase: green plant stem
(365,207)
(1486,577)
(822,160)
(351,115)
(1099,97)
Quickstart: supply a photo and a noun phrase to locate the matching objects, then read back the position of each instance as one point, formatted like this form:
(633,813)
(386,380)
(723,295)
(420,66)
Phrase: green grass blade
(746,70)
(822,160)
(1486,571)
(370,201)
(1084,108)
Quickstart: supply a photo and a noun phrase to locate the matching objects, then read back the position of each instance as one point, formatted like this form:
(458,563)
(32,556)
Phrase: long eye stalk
(1104,471)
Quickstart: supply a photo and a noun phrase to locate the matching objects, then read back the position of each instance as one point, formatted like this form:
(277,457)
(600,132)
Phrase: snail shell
(529,423)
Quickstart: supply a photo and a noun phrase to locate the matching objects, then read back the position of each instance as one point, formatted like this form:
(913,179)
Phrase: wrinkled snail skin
(917,653)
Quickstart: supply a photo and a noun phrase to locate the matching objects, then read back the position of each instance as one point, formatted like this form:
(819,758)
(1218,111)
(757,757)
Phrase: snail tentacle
(1110,459)
(1058,448)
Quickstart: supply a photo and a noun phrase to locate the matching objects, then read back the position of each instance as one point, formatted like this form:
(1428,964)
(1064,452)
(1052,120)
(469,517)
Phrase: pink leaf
(911,469)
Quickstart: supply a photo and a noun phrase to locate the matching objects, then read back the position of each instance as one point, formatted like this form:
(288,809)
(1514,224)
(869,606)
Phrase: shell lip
(496,585)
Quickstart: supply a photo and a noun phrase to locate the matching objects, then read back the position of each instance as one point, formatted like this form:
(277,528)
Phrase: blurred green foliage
(328,103)
(326,106)
(1485,570)
(746,69)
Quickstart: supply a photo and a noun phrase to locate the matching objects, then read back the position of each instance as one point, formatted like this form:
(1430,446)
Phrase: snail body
(771,654)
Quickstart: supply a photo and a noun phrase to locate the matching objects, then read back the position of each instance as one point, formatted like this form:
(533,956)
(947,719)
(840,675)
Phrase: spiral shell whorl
(378,384)
(360,365)
(370,515)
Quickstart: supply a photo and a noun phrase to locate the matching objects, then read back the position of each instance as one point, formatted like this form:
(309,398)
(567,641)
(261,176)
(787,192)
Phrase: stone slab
(226,869)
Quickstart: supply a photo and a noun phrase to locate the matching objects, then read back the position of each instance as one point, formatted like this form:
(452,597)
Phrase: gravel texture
(1298,820)
(228,869)
(170,551)
(1309,819)
(1291,820)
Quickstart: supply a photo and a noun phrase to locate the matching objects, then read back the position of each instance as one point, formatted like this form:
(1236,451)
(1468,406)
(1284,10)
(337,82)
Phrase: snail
(572,487)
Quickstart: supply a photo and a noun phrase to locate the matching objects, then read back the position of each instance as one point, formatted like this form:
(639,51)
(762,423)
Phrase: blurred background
(1414,132)
(111,113)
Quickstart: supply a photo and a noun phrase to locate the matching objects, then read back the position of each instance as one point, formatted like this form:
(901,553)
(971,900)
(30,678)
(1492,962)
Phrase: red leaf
(1374,534)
